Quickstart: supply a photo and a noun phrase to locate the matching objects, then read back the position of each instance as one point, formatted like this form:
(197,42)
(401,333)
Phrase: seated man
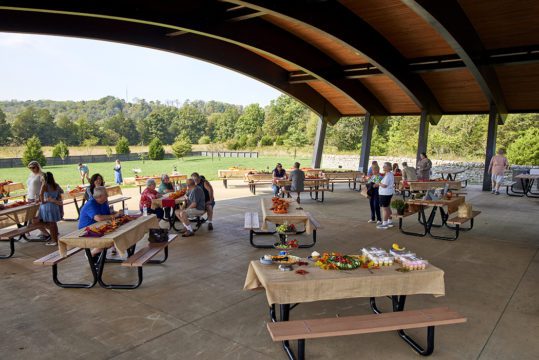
(297,177)
(195,206)
(97,209)
(205,185)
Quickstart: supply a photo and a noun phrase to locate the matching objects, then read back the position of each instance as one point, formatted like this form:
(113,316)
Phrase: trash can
(518,185)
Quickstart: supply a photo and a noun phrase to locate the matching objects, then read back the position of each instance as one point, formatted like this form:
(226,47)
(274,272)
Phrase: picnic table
(7,189)
(295,215)
(451,174)
(169,205)
(225,175)
(527,181)
(124,239)
(286,289)
(419,206)
(258,178)
(316,185)
(351,177)
(20,217)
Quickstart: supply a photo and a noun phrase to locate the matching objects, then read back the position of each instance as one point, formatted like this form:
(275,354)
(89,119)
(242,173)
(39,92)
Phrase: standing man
(496,169)
(84,171)
(206,187)
(385,193)
(195,207)
(423,167)
(297,177)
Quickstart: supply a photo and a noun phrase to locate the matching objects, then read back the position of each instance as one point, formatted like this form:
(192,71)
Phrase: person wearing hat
(278,174)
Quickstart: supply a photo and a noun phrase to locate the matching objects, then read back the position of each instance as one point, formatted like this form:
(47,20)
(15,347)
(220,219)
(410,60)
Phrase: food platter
(279,206)
(336,261)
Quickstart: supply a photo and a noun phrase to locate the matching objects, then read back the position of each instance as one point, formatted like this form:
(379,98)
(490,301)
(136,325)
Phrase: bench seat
(54,258)
(144,255)
(461,220)
(251,221)
(406,214)
(363,324)
(11,234)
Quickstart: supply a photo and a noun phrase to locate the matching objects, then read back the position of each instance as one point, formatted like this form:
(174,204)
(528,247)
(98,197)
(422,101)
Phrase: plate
(265,262)
(291,259)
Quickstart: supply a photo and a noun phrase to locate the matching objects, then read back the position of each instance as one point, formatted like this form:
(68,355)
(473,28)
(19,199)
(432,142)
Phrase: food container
(414,263)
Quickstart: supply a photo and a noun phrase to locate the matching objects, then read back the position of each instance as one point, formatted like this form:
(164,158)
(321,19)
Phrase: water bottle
(126,210)
(68,188)
(145,210)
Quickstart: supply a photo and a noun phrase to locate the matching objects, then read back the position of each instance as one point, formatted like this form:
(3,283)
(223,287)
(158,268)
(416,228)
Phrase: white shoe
(378,223)
(382,227)
(389,225)
(371,221)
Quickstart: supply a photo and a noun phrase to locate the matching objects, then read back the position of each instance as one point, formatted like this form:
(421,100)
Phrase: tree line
(284,122)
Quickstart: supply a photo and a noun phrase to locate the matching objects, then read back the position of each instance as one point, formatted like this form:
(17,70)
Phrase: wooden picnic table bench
(11,235)
(7,192)
(230,174)
(316,186)
(302,330)
(117,196)
(418,207)
(258,179)
(351,177)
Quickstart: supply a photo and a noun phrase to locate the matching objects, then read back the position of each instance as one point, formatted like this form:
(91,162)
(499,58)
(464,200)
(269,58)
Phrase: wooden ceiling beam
(203,48)
(340,24)
(452,24)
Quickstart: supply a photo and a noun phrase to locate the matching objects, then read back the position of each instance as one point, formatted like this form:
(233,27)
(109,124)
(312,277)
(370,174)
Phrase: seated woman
(278,174)
(396,170)
(50,211)
(95,181)
(146,199)
(166,185)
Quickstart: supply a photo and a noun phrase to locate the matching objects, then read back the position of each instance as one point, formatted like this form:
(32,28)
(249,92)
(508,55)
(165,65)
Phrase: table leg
(11,249)
(100,267)
(422,219)
(398,303)
(77,286)
(284,315)
(528,190)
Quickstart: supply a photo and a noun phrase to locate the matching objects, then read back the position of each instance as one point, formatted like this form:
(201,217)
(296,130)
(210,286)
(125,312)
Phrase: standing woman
(118,173)
(423,167)
(95,181)
(34,184)
(49,210)
(372,192)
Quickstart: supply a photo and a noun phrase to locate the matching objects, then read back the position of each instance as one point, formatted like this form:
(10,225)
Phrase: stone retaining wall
(474,170)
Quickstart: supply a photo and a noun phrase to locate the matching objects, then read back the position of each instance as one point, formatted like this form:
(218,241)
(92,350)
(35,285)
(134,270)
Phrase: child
(50,209)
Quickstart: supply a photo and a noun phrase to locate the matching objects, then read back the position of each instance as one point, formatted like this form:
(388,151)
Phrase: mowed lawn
(69,174)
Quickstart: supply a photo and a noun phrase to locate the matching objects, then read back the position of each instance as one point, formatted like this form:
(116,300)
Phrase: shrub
(252,141)
(266,140)
(60,150)
(33,152)
(205,139)
(156,150)
(242,141)
(181,147)
(279,141)
(525,149)
(232,145)
(122,147)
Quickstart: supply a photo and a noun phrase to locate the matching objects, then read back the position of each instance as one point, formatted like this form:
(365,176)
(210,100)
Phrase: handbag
(158,235)
(370,189)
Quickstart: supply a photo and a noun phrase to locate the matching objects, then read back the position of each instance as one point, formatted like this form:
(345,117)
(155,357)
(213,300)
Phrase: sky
(34,67)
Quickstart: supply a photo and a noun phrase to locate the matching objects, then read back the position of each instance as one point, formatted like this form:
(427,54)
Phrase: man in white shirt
(385,193)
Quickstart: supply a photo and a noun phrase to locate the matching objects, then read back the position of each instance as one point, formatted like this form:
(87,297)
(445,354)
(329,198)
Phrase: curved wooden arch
(213,51)
(341,24)
(269,39)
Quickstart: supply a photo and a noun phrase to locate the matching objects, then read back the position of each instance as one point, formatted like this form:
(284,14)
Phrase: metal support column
(423,135)
(366,140)
(319,143)
(491,145)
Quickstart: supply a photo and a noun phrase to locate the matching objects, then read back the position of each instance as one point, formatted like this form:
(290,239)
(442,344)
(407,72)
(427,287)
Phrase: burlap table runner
(158,203)
(294,216)
(18,215)
(287,287)
(122,238)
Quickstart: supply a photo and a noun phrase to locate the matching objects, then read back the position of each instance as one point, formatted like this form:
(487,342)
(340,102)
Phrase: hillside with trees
(284,122)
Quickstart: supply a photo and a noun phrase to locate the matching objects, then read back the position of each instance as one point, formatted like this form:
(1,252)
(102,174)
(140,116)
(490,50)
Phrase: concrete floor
(194,306)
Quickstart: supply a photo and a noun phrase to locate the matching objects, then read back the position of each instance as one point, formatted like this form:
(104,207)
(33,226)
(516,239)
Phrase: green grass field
(69,174)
